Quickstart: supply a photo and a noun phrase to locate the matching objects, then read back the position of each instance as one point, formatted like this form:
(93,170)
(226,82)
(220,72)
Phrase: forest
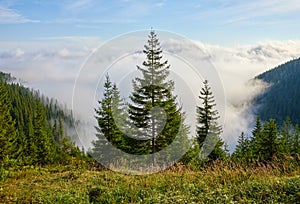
(41,163)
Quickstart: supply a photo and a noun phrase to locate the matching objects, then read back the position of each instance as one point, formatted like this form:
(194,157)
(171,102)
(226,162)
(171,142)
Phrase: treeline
(33,128)
(268,142)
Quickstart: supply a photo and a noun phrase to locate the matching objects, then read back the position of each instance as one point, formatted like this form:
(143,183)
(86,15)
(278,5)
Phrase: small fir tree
(242,150)
(109,111)
(208,131)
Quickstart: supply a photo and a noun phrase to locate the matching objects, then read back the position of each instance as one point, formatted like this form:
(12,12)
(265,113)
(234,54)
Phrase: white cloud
(10,16)
(65,53)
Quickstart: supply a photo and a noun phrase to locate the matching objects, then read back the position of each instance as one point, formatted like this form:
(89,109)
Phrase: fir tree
(264,143)
(43,136)
(154,110)
(256,139)
(295,141)
(269,143)
(109,111)
(242,150)
(208,131)
(285,136)
(8,132)
(32,148)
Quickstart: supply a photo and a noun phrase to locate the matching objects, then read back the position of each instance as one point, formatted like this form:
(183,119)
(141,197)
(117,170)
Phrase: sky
(47,44)
(218,22)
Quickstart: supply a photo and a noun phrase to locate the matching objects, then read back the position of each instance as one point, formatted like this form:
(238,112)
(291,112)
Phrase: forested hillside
(281,99)
(33,128)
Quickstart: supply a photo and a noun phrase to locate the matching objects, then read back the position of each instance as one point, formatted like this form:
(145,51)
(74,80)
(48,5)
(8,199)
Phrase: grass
(219,183)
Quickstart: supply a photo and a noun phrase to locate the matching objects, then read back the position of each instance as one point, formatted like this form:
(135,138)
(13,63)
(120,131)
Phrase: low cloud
(53,67)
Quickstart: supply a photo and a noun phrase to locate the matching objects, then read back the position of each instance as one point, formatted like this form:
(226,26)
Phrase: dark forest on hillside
(33,127)
(281,99)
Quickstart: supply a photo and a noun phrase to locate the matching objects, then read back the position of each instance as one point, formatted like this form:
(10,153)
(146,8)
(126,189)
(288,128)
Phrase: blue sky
(217,22)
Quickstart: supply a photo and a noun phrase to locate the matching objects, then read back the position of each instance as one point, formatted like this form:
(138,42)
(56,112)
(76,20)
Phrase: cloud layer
(52,66)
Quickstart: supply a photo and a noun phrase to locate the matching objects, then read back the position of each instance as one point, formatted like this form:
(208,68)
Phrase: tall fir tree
(153,108)
(208,130)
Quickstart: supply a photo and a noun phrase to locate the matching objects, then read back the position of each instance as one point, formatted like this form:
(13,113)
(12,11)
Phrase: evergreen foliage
(284,82)
(8,133)
(208,131)
(150,122)
(109,115)
(32,126)
(153,108)
(268,142)
(257,136)
(242,152)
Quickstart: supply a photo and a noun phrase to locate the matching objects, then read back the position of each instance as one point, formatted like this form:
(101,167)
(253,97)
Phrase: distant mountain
(282,98)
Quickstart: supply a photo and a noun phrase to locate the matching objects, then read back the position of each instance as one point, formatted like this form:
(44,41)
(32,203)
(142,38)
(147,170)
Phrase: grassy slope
(221,184)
